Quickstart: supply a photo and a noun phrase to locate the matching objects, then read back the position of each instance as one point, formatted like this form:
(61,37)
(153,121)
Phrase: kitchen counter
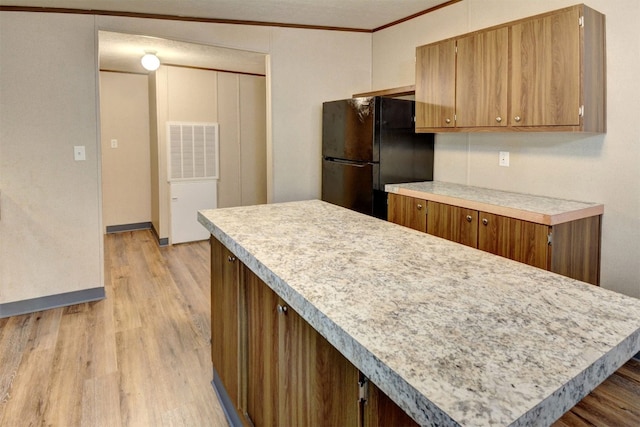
(455,336)
(542,210)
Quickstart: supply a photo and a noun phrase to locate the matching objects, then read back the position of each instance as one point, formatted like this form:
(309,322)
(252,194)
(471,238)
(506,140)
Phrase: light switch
(78,153)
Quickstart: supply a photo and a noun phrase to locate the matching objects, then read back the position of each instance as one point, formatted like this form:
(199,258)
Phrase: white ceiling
(122,52)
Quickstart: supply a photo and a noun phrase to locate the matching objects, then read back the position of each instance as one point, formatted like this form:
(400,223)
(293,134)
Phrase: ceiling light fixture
(150,61)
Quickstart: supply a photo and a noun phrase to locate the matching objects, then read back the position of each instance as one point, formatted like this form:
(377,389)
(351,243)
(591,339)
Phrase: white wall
(126,176)
(50,239)
(599,168)
(50,233)
(307,67)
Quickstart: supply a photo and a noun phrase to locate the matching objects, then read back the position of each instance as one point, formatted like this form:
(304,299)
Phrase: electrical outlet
(504,158)
(78,153)
(114,143)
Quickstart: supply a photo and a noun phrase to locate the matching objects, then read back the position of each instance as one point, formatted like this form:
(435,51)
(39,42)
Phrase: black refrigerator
(368,143)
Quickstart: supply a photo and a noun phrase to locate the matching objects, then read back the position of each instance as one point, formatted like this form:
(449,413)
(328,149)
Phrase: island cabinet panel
(542,73)
(318,386)
(262,373)
(453,223)
(275,368)
(381,411)
(225,286)
(408,211)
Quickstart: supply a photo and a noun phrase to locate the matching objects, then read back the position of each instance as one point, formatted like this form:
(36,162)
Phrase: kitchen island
(453,335)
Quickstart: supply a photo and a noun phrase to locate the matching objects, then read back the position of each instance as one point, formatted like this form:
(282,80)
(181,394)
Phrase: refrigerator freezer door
(404,155)
(347,129)
(348,185)
(408,157)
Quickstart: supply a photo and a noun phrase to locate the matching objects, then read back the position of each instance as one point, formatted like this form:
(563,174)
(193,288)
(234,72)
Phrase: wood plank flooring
(141,357)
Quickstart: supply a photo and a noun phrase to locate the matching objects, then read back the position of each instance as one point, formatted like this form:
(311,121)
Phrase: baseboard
(51,301)
(128,227)
(161,241)
(227,405)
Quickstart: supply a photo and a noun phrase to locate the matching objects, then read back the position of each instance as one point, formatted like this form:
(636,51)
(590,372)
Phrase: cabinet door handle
(485,221)
(469,218)
(231,258)
(419,206)
(282,309)
(447,120)
(498,119)
(517,118)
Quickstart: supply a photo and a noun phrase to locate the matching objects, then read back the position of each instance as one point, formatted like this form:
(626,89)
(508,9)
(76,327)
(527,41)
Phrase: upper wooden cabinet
(544,73)
(482,75)
(436,85)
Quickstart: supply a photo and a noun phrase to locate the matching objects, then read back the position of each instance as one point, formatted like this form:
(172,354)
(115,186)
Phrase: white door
(187,198)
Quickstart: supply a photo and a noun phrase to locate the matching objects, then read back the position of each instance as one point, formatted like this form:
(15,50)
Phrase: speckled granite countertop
(453,335)
(543,210)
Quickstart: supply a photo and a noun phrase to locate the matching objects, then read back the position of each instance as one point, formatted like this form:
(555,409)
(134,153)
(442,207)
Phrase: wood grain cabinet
(225,317)
(462,83)
(453,223)
(570,248)
(275,368)
(408,211)
(543,73)
(294,376)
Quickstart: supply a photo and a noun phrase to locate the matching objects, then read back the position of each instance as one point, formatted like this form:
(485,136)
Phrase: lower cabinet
(276,369)
(408,211)
(453,223)
(225,291)
(571,248)
(512,238)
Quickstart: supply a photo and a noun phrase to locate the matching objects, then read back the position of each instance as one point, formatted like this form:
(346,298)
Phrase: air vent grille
(193,151)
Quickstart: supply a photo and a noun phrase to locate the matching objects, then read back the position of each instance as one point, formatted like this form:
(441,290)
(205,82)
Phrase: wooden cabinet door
(435,85)
(545,64)
(519,240)
(482,78)
(294,376)
(381,411)
(407,211)
(262,352)
(224,317)
(453,223)
(318,385)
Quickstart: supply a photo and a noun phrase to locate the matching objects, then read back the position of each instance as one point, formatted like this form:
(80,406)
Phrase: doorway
(195,83)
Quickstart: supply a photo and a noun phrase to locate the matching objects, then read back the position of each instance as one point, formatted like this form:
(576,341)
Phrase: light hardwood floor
(140,357)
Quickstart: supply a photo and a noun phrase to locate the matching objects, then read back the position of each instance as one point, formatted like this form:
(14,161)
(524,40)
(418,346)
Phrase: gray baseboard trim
(161,241)
(51,301)
(128,227)
(227,405)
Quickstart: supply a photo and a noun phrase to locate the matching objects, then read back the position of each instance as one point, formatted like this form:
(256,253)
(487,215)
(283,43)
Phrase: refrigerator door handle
(349,163)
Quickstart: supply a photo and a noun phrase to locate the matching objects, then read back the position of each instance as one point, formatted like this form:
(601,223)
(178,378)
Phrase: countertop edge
(549,410)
